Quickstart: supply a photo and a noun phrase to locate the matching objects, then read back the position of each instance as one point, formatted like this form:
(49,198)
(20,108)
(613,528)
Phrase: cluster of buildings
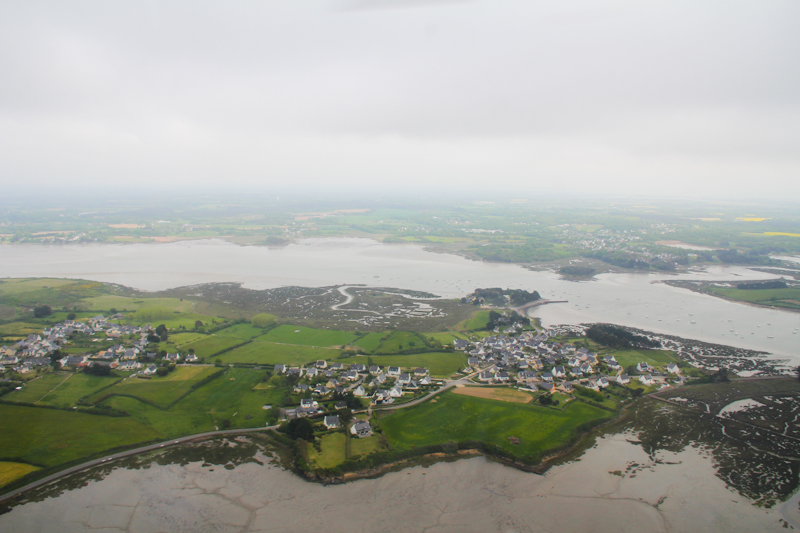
(37,350)
(324,379)
(533,361)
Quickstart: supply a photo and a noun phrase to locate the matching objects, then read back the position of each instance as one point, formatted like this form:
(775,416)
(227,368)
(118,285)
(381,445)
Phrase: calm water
(615,487)
(630,299)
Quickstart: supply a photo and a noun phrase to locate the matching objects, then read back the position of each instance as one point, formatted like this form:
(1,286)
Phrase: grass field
(124,303)
(459,418)
(788,297)
(230,396)
(12,471)
(50,437)
(241,331)
(267,353)
(399,341)
(20,329)
(503,394)
(476,322)
(439,364)
(212,344)
(651,357)
(308,336)
(370,342)
(17,286)
(447,337)
(161,391)
(365,446)
(60,390)
(333,450)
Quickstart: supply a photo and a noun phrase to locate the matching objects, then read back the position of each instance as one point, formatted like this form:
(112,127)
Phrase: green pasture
(447,337)
(228,397)
(788,297)
(50,437)
(398,341)
(332,450)
(476,322)
(20,329)
(439,364)
(60,390)
(268,353)
(240,331)
(160,391)
(455,418)
(369,342)
(289,334)
(365,446)
(652,357)
(10,287)
(211,345)
(106,302)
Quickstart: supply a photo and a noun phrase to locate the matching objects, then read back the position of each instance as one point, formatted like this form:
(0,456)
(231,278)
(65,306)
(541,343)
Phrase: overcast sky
(522,95)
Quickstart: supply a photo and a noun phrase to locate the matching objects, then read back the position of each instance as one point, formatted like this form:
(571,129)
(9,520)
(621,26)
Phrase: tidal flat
(615,486)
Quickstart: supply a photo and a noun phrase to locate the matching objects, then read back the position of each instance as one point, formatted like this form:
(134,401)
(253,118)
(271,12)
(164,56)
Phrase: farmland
(49,437)
(159,391)
(440,364)
(456,418)
(269,353)
(61,389)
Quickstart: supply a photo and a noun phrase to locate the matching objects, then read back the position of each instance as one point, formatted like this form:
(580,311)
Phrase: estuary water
(615,487)
(635,299)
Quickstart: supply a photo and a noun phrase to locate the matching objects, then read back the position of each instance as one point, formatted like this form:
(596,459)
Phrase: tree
(72,316)
(42,310)
(112,311)
(198,324)
(97,370)
(225,424)
(162,371)
(300,428)
(264,320)
(161,331)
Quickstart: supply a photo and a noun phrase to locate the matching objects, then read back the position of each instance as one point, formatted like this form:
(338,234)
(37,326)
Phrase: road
(448,385)
(128,453)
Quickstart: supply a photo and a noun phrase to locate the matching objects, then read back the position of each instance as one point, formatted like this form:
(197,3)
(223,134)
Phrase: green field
(240,331)
(476,322)
(12,471)
(60,390)
(401,340)
(20,329)
(788,297)
(50,437)
(120,303)
(230,396)
(369,342)
(365,446)
(447,337)
(179,339)
(454,418)
(160,391)
(289,334)
(652,357)
(439,364)
(333,451)
(211,345)
(267,353)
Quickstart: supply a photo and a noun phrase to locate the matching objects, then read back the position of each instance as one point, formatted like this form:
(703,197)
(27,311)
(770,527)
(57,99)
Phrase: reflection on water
(663,472)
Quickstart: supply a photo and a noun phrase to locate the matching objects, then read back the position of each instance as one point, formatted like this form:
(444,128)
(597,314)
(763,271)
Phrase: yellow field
(12,471)
(780,234)
(183,373)
(493,393)
(752,219)
(263,386)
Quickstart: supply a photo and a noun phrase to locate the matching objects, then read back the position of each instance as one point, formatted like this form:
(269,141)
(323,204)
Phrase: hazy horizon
(501,98)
